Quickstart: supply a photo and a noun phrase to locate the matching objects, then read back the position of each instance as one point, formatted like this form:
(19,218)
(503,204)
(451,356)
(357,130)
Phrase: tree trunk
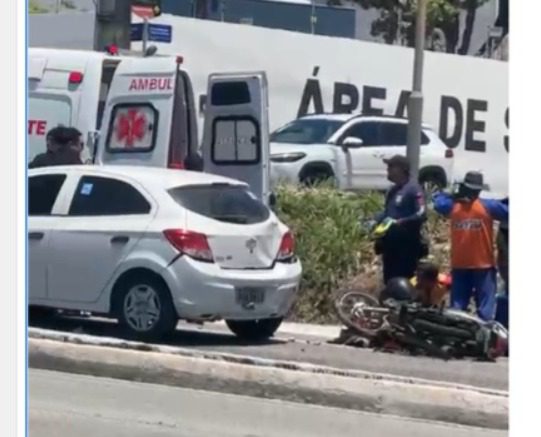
(471,12)
(452,31)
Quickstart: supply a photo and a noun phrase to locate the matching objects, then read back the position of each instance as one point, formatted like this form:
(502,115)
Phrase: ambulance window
(133,128)
(44,113)
(230,93)
(236,140)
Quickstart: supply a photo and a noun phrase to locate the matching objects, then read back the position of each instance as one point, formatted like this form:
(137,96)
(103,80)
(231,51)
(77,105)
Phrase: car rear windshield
(222,202)
(306,131)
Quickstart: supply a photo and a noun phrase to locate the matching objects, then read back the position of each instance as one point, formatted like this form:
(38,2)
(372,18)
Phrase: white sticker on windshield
(86,189)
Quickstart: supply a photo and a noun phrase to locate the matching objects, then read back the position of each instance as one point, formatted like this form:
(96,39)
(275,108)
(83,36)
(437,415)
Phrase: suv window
(394,134)
(306,131)
(96,195)
(377,133)
(42,193)
(222,202)
(368,131)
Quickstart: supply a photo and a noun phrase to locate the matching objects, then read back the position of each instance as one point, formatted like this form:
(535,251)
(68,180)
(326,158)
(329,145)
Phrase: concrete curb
(114,342)
(379,395)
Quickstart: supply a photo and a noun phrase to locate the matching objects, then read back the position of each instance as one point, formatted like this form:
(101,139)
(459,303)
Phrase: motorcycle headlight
(287,157)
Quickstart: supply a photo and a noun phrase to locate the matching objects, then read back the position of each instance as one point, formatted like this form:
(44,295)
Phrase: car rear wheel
(254,330)
(144,308)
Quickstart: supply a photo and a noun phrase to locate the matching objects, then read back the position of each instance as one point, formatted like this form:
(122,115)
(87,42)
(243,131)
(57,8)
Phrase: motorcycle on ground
(406,324)
(443,333)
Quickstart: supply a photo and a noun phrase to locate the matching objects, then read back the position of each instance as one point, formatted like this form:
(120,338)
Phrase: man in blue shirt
(402,246)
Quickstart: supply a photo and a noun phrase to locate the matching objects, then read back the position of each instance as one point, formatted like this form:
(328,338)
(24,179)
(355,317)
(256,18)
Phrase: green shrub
(330,243)
(333,247)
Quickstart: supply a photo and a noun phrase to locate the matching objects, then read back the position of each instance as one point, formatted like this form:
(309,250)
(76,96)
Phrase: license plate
(250,295)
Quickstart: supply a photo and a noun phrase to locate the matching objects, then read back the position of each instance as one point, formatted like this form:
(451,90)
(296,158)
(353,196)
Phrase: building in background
(479,32)
(297,15)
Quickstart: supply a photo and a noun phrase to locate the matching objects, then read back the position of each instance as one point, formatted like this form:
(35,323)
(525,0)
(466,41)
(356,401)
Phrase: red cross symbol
(131,127)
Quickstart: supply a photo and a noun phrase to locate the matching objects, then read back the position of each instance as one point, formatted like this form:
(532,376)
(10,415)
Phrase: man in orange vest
(472,243)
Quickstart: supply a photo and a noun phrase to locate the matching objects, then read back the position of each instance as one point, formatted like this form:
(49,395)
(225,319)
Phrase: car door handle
(35,235)
(120,239)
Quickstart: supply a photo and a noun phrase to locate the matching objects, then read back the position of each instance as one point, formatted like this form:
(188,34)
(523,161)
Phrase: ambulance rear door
(236,129)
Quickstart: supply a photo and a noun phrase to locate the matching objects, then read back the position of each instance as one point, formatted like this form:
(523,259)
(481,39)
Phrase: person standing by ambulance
(53,139)
(473,264)
(64,147)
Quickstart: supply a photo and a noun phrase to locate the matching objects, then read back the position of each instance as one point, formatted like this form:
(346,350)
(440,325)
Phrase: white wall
(69,30)
(479,86)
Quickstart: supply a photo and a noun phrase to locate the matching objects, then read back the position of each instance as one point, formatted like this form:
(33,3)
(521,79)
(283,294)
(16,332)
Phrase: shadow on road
(106,328)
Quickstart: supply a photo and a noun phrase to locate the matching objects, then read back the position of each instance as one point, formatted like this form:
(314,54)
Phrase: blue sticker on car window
(86,189)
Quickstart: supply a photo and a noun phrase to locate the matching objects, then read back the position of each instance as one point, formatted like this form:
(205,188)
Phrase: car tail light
(287,247)
(449,153)
(190,243)
(75,77)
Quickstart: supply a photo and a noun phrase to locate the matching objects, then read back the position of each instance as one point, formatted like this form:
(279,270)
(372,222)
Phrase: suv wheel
(144,308)
(316,174)
(254,330)
(432,182)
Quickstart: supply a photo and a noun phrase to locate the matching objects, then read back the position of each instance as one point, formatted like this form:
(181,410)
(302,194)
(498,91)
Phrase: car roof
(347,117)
(147,176)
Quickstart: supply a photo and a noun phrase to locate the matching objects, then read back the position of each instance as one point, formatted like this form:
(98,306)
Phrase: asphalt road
(67,405)
(480,374)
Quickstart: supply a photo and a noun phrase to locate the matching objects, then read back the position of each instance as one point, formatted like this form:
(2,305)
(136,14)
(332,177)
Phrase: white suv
(149,246)
(350,150)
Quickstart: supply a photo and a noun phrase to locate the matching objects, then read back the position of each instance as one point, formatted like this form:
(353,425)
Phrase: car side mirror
(352,143)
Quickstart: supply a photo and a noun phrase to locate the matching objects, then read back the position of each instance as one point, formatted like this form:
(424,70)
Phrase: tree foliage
(397,20)
(35,8)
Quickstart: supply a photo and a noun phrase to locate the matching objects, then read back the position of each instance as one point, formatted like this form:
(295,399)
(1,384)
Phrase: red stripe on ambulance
(151,84)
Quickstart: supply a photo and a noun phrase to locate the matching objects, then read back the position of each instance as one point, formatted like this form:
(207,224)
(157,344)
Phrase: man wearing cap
(472,243)
(401,247)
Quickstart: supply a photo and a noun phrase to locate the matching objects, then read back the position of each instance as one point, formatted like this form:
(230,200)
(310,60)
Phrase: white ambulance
(138,110)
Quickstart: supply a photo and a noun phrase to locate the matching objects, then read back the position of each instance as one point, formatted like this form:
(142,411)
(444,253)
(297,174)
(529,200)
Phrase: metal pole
(415,103)
(145,35)
(399,27)
(313,17)
(112,24)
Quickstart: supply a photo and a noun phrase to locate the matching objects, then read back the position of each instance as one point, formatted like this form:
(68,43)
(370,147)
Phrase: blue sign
(137,32)
(156,32)
(160,32)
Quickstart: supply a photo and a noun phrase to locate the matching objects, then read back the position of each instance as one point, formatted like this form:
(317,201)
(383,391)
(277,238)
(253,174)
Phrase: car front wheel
(432,182)
(254,330)
(144,308)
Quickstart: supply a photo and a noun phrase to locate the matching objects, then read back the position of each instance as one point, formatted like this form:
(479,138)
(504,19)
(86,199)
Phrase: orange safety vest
(472,236)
